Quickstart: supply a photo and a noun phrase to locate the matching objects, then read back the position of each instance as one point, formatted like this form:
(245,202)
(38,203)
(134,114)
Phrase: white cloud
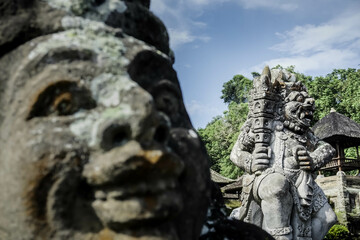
(247,4)
(178,15)
(284,5)
(180,37)
(320,62)
(320,48)
(202,113)
(177,18)
(158,6)
(196,108)
(309,38)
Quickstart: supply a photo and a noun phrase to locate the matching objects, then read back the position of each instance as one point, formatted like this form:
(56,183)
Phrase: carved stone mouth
(138,204)
(136,211)
(305,114)
(141,207)
(136,191)
(133,187)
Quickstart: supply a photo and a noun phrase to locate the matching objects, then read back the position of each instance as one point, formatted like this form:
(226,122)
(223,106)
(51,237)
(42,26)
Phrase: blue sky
(215,39)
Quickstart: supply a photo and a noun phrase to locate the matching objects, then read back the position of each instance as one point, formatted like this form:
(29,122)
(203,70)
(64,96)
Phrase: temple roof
(218,178)
(233,187)
(336,127)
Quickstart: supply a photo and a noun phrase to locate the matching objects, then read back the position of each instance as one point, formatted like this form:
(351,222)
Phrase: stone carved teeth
(302,115)
(138,211)
(137,204)
(307,114)
(140,189)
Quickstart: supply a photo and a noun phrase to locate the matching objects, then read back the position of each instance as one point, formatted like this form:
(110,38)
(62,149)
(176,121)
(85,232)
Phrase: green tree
(221,133)
(236,90)
(338,89)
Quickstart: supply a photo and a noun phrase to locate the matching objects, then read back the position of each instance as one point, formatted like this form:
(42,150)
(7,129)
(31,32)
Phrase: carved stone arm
(241,154)
(322,155)
(241,158)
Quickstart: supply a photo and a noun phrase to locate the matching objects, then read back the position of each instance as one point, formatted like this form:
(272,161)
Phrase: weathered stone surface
(343,191)
(22,21)
(95,139)
(280,153)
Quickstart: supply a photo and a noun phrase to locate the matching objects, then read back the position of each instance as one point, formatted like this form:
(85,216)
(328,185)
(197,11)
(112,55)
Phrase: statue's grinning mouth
(137,211)
(305,114)
(127,204)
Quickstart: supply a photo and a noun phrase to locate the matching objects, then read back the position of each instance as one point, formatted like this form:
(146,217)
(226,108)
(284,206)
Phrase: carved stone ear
(266,72)
(265,79)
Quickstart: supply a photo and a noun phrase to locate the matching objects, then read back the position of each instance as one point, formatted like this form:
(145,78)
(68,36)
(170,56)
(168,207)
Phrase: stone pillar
(357,203)
(343,201)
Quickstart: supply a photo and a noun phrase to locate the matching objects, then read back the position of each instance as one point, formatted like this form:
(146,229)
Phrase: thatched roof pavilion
(341,132)
(230,188)
(336,127)
(220,179)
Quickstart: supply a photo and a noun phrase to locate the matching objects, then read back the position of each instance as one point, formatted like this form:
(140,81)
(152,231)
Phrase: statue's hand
(261,158)
(302,157)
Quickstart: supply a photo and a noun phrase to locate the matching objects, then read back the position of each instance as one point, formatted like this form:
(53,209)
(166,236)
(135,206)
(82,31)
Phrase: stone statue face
(96,142)
(299,108)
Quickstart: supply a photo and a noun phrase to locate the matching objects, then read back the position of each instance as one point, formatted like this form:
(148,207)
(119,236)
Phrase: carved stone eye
(167,102)
(61,99)
(300,98)
(167,99)
(63,104)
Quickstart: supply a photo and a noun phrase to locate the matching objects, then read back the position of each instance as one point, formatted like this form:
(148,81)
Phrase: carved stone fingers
(302,157)
(261,158)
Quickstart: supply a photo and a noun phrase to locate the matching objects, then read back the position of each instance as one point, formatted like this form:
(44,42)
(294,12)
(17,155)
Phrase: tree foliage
(339,89)
(221,133)
(338,232)
(236,90)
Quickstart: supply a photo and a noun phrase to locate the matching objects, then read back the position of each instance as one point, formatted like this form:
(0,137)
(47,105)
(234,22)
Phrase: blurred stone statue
(280,155)
(95,141)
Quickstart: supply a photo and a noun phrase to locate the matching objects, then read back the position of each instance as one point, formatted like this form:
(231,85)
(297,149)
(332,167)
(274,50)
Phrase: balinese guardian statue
(280,155)
(95,142)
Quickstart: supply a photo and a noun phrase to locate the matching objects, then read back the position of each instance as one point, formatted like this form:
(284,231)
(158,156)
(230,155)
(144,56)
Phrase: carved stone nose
(115,135)
(155,129)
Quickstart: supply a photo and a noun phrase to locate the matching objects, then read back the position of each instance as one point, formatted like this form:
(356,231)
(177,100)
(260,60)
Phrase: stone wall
(343,193)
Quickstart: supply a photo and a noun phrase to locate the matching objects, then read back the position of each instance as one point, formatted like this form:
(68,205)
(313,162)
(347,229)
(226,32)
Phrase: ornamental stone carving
(280,155)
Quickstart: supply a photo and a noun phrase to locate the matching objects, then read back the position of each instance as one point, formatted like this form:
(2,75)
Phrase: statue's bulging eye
(167,103)
(61,99)
(167,99)
(300,98)
(63,104)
